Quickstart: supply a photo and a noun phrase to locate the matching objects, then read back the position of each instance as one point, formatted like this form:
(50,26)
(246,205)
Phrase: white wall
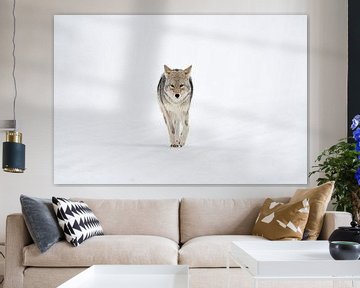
(327,89)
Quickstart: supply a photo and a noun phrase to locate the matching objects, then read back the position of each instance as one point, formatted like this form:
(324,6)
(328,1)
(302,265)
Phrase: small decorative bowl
(344,250)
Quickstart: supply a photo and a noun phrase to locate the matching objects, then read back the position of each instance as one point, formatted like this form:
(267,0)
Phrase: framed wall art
(180,99)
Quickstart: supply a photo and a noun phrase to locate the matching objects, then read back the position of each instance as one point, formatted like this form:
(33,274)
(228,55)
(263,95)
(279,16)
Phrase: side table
(284,262)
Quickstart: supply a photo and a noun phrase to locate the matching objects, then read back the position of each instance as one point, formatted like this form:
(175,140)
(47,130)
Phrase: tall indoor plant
(341,163)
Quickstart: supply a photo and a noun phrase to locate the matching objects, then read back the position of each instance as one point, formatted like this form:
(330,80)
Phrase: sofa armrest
(332,220)
(17,237)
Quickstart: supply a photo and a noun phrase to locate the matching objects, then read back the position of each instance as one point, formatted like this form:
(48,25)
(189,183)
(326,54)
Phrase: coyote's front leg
(176,125)
(185,128)
(170,127)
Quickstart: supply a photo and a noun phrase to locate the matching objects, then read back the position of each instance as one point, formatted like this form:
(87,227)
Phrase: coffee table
(131,276)
(292,260)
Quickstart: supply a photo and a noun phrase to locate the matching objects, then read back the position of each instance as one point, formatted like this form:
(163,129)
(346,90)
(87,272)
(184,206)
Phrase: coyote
(175,90)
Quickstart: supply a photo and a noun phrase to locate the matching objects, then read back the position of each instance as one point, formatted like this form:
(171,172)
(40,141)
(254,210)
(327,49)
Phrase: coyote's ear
(167,70)
(188,70)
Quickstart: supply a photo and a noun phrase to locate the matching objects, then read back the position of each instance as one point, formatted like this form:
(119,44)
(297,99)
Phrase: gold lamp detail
(13,160)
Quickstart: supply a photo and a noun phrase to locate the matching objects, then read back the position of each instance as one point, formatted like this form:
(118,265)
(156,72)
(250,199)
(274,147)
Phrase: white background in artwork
(248,119)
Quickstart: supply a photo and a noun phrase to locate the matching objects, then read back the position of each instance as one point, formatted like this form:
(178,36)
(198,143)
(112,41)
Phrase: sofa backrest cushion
(159,217)
(200,217)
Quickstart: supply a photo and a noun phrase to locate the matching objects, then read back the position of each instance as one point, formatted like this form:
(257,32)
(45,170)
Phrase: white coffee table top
(291,259)
(131,276)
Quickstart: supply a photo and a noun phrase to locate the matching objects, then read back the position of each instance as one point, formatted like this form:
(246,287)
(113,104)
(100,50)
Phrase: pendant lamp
(13,159)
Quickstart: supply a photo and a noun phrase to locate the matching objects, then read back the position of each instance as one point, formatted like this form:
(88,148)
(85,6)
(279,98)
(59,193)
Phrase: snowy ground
(134,153)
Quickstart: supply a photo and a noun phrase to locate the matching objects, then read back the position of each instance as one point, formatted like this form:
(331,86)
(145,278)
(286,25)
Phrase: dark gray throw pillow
(41,221)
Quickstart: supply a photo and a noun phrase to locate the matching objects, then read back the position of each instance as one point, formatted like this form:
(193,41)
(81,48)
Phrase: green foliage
(339,163)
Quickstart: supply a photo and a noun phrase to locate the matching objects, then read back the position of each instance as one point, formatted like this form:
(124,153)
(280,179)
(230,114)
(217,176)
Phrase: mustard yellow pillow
(279,221)
(319,198)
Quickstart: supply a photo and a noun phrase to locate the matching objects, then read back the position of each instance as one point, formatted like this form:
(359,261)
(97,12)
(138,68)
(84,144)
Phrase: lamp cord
(14,61)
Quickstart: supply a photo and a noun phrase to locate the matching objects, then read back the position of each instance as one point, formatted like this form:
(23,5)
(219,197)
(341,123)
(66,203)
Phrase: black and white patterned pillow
(77,220)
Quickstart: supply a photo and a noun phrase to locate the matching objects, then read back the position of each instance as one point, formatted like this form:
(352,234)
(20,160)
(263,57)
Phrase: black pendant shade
(13,153)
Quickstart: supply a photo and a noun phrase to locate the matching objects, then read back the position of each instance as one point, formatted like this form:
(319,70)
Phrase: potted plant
(341,163)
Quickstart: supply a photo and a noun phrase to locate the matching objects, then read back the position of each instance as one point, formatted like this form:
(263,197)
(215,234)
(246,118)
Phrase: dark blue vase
(344,250)
(351,234)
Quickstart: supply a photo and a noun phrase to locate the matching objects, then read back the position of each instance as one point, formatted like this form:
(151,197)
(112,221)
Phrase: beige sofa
(194,232)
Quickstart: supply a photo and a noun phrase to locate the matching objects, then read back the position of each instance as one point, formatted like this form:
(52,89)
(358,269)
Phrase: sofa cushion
(35,277)
(41,221)
(107,249)
(77,220)
(279,221)
(319,198)
(200,217)
(158,217)
(211,251)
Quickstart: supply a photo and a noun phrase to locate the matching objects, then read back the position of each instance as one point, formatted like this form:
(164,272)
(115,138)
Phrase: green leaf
(339,163)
